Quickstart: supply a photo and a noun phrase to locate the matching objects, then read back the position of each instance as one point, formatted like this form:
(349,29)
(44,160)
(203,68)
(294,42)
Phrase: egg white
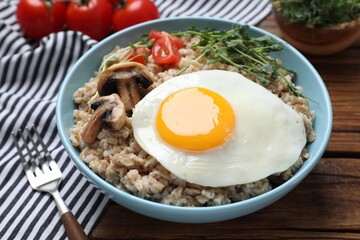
(268,138)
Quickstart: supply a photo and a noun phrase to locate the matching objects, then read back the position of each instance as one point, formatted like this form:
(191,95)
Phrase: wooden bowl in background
(316,40)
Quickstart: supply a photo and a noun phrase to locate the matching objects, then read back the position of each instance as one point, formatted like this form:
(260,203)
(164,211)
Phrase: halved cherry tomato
(165,51)
(157,34)
(140,55)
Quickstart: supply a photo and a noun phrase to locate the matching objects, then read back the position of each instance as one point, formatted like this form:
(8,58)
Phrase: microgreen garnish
(145,41)
(235,47)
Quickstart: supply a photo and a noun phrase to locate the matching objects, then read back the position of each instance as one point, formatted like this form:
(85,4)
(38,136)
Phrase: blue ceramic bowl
(307,77)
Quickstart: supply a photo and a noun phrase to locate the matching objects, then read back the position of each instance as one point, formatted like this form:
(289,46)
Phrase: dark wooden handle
(72,227)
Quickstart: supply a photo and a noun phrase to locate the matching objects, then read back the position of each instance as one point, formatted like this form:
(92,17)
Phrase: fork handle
(72,227)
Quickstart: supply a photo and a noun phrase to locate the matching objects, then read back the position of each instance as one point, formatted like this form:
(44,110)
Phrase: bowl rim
(112,190)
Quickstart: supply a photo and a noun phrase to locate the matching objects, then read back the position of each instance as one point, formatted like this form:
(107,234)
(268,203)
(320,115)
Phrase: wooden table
(326,205)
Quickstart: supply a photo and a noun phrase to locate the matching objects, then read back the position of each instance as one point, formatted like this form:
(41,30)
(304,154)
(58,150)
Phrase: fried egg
(217,128)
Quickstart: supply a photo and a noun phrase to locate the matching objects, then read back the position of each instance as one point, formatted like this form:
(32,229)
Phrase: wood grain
(326,205)
(343,83)
(344,144)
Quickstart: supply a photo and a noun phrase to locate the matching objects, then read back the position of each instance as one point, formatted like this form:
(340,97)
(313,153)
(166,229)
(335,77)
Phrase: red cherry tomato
(38,19)
(140,55)
(134,12)
(157,34)
(165,51)
(92,18)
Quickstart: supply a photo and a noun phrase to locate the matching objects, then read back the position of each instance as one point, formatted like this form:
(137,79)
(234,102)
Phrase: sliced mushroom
(128,79)
(109,110)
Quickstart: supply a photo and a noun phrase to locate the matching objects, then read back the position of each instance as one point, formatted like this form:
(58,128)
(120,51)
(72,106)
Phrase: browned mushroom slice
(109,110)
(128,79)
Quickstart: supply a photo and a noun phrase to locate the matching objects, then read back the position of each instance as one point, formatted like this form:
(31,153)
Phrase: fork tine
(25,163)
(47,153)
(35,144)
(35,167)
(52,164)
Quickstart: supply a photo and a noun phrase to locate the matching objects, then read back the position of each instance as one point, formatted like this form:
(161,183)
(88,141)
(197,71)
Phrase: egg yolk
(195,119)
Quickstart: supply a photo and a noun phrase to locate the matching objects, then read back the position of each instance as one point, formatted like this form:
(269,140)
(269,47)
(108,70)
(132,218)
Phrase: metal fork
(45,176)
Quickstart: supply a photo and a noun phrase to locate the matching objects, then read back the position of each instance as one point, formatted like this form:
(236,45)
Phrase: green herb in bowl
(317,26)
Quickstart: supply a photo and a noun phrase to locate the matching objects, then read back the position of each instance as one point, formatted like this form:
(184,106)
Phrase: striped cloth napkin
(30,76)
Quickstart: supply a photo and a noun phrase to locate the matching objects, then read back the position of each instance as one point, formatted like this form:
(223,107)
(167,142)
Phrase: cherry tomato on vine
(140,55)
(134,12)
(39,18)
(91,17)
